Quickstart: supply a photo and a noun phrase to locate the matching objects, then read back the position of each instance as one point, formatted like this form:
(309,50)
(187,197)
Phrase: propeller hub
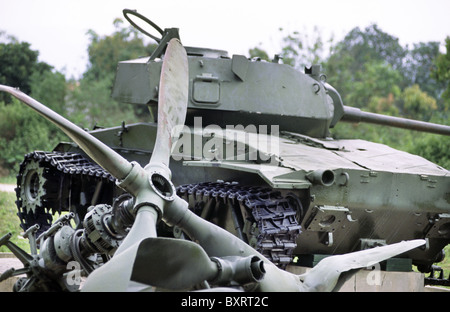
(162,186)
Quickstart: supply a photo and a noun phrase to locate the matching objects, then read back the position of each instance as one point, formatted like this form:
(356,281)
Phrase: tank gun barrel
(352,114)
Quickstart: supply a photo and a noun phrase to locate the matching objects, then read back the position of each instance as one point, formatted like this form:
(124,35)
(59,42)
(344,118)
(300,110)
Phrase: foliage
(50,88)
(431,147)
(91,105)
(23,131)
(419,65)
(374,57)
(301,50)
(86,102)
(258,53)
(89,100)
(372,71)
(19,63)
(104,52)
(298,49)
(417,104)
(375,79)
(441,72)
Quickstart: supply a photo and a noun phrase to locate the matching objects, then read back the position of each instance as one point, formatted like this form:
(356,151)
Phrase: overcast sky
(57,28)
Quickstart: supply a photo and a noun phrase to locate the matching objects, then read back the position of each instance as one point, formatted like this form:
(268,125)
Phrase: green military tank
(247,144)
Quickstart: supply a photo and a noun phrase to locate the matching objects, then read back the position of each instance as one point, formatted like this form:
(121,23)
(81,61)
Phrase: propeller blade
(172,100)
(111,161)
(154,262)
(113,276)
(172,106)
(324,276)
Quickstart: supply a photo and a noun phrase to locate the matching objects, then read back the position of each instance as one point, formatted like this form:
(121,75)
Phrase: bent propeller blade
(324,276)
(172,100)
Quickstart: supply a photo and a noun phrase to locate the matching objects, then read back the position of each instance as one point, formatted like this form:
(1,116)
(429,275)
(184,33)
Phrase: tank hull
(354,194)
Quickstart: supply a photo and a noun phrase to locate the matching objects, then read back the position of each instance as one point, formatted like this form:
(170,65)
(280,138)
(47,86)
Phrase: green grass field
(9,221)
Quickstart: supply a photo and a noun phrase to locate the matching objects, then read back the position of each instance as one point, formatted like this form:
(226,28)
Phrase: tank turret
(226,90)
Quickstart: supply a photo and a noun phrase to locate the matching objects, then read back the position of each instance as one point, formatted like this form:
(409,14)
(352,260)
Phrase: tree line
(372,71)
(369,68)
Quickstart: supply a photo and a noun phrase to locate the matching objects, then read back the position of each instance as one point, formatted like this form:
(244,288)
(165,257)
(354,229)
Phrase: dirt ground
(7,187)
(7,261)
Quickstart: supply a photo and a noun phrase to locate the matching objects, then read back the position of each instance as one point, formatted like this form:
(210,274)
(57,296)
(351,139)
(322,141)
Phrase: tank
(250,152)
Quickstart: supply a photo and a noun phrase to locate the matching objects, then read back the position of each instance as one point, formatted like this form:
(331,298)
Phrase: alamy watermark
(73,276)
(232,143)
(374,276)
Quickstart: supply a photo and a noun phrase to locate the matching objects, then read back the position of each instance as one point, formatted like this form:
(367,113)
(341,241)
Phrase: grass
(9,221)
(445,265)
(8,180)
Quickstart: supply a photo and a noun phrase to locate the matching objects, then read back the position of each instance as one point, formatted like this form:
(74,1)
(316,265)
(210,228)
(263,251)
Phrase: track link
(262,217)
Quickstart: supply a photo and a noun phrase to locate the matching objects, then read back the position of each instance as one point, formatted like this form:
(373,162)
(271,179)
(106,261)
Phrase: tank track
(41,180)
(262,217)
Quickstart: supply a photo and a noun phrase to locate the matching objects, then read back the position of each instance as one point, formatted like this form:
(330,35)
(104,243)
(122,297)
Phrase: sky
(57,28)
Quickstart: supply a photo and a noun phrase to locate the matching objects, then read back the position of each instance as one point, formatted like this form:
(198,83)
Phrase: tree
(357,57)
(18,63)
(105,52)
(22,129)
(374,79)
(418,66)
(91,104)
(258,53)
(301,50)
(432,147)
(384,105)
(298,49)
(49,88)
(359,47)
(90,98)
(417,104)
(442,74)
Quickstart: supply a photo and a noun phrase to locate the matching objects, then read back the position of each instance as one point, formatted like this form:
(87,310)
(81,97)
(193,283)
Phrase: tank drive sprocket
(52,182)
